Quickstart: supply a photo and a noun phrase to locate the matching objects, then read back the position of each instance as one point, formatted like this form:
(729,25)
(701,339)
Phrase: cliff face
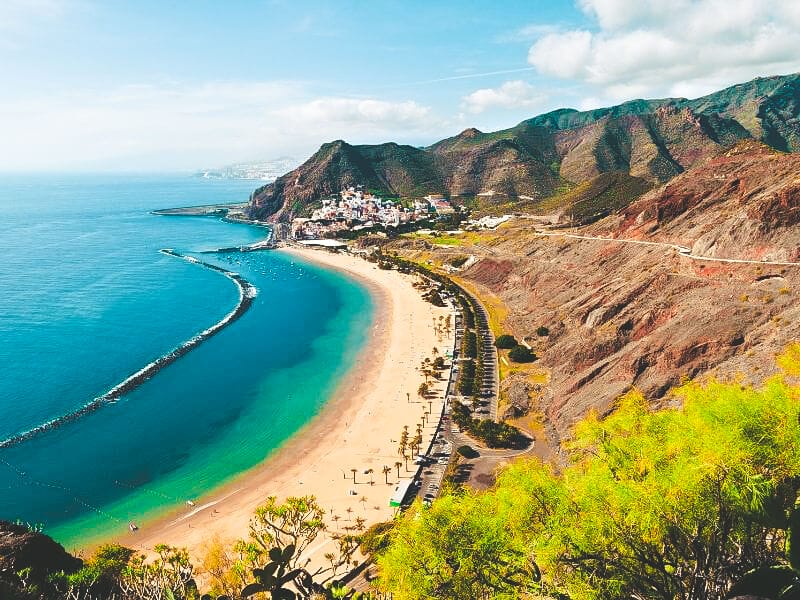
(623,314)
(22,549)
(651,140)
(743,204)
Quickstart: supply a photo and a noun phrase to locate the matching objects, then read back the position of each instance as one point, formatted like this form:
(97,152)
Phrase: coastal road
(682,250)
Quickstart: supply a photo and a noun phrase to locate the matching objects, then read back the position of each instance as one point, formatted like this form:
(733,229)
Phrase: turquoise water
(86,300)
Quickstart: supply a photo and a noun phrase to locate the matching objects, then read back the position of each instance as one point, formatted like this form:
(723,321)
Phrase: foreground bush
(671,504)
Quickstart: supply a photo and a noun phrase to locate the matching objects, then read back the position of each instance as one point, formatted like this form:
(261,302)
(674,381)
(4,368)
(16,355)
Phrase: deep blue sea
(86,299)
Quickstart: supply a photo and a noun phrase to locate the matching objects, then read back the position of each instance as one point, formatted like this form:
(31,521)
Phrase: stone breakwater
(247,292)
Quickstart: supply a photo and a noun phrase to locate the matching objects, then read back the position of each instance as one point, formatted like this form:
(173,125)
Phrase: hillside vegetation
(675,503)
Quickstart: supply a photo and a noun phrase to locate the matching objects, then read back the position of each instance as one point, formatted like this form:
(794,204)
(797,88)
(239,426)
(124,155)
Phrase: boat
(133,526)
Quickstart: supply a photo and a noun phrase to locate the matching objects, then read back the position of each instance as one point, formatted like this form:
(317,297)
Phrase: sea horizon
(118,304)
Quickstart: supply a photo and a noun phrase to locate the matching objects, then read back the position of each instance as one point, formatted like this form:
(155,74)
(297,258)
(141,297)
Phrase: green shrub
(470,344)
(542,331)
(521,354)
(467,451)
(506,341)
(466,378)
(377,538)
(494,435)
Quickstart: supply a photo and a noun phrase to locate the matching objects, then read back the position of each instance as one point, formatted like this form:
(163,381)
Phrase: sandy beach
(358,429)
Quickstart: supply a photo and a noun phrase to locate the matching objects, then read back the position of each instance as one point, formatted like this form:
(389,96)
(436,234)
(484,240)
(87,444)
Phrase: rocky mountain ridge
(626,308)
(652,140)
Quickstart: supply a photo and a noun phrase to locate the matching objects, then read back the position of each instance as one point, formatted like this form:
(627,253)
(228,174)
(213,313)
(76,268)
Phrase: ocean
(86,300)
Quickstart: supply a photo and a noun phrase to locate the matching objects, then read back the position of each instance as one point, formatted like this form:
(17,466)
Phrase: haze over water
(87,300)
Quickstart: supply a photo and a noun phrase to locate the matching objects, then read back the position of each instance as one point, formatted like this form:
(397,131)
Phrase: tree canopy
(521,354)
(506,341)
(675,503)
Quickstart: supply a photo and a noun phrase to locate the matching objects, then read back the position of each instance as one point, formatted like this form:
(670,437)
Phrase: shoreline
(357,428)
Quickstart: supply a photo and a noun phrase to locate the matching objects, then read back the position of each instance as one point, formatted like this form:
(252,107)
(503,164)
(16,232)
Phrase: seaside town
(355,209)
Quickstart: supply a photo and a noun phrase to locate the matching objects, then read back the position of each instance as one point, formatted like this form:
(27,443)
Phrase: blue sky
(109,85)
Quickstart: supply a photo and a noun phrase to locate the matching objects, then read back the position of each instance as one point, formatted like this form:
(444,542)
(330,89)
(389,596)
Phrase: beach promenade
(358,430)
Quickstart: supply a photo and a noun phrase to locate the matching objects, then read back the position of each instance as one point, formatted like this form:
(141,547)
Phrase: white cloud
(562,54)
(145,127)
(512,94)
(358,112)
(673,47)
(359,120)
(618,14)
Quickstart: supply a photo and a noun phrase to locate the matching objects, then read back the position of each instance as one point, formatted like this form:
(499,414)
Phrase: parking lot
(440,452)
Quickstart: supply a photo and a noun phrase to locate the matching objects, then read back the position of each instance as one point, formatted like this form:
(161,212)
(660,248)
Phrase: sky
(155,85)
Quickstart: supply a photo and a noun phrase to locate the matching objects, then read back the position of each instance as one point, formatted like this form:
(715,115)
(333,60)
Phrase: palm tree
(401,449)
(354,474)
(349,512)
(422,390)
(417,442)
(431,372)
(386,470)
(363,501)
(397,465)
(335,519)
(435,350)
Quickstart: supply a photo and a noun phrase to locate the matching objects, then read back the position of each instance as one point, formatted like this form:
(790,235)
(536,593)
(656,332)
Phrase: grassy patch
(494,306)
(593,199)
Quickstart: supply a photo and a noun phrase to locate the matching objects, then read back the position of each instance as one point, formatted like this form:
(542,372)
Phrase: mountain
(651,141)
(388,168)
(624,308)
(743,204)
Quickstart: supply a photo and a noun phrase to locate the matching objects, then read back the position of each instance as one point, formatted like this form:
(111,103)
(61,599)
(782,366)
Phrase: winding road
(682,250)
